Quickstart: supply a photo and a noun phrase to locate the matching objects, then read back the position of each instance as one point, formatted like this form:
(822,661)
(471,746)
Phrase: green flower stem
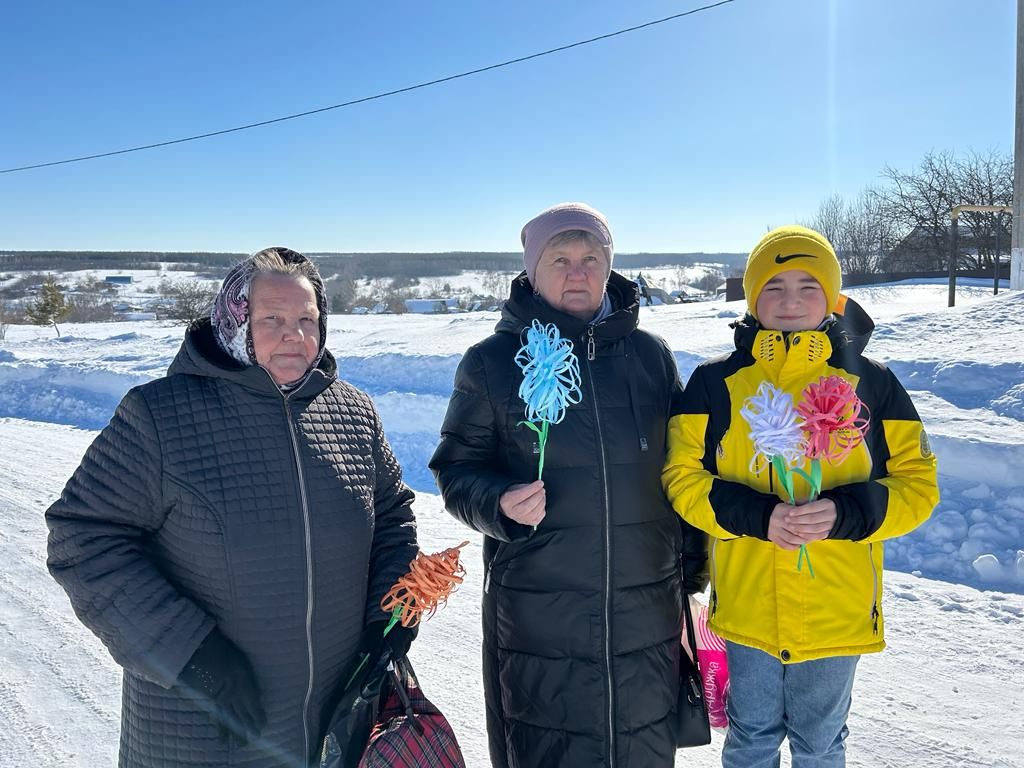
(543,445)
(814,481)
(786,479)
(542,439)
(542,435)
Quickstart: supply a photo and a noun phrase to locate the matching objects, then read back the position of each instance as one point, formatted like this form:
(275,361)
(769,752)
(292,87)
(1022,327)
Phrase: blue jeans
(769,700)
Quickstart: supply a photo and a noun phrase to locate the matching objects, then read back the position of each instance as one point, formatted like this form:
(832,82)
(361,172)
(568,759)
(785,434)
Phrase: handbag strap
(691,637)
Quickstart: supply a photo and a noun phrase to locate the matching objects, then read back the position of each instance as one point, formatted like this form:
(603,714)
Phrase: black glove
(374,652)
(223,678)
(395,644)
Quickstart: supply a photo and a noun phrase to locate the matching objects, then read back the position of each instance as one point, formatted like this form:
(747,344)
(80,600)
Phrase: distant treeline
(355,265)
(625,261)
(67,261)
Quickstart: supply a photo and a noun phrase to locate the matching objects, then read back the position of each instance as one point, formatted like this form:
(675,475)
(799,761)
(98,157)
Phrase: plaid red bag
(410,732)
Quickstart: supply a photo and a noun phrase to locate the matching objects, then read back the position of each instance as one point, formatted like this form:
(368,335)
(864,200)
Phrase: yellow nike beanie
(792,247)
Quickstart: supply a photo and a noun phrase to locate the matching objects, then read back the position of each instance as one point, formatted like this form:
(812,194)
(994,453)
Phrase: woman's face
(285,325)
(571,277)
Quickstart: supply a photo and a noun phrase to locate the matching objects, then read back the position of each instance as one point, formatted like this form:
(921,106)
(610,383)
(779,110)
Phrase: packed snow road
(949,690)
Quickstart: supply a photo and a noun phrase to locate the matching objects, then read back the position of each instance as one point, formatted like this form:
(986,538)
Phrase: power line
(365,99)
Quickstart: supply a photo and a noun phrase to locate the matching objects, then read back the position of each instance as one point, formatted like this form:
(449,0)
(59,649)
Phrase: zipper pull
(590,343)
(874,617)
(487,579)
(714,601)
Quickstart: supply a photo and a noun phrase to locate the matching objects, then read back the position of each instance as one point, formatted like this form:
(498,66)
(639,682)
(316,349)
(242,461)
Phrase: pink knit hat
(562,218)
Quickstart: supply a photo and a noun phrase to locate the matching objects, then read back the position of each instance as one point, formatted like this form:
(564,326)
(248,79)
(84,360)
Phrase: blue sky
(692,135)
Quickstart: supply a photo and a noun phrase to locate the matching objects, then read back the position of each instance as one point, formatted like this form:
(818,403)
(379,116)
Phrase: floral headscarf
(230,315)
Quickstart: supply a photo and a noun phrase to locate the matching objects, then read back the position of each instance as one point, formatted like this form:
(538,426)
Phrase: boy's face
(792,301)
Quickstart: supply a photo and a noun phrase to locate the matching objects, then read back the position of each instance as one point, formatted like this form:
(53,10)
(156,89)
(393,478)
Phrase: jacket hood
(522,307)
(201,355)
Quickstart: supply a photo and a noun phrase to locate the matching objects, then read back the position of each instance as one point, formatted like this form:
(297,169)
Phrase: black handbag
(692,726)
(355,713)
(410,731)
(384,719)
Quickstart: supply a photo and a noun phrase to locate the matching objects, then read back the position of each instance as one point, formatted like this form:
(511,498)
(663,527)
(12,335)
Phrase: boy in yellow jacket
(794,635)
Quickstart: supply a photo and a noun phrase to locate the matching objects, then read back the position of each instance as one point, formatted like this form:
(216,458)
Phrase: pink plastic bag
(711,660)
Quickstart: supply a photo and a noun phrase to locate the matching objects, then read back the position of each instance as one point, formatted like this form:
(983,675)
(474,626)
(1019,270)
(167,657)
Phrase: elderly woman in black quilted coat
(230,533)
(585,570)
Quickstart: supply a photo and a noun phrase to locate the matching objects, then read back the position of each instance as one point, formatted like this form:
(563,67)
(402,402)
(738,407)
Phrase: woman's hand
(524,503)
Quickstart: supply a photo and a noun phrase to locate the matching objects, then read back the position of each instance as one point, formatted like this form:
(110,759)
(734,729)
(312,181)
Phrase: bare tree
(984,180)
(380,288)
(94,285)
(343,294)
(192,299)
(919,203)
(89,308)
(709,281)
(91,300)
(905,223)
(680,273)
(868,234)
(434,288)
(396,304)
(830,220)
(858,230)
(496,284)
(5,319)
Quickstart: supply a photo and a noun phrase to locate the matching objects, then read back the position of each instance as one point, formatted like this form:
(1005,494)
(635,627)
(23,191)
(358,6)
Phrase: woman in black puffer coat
(582,613)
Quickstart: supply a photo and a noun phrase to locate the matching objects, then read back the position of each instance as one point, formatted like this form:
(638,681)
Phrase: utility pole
(1017,227)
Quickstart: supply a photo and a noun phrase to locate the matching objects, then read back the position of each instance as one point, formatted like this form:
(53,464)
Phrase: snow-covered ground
(949,691)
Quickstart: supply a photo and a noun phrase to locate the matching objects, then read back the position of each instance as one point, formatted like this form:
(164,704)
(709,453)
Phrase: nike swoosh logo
(780,259)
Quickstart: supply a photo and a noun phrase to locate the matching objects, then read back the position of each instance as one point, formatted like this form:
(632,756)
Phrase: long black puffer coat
(581,618)
(212,498)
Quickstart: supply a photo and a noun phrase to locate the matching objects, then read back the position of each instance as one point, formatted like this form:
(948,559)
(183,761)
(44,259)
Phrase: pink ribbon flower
(832,420)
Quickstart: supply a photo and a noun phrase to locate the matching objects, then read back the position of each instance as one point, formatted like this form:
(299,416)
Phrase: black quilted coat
(212,498)
(581,618)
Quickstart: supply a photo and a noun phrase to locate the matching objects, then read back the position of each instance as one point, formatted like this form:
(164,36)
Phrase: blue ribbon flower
(551,380)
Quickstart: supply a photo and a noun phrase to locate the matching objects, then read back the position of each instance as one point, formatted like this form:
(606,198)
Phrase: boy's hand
(780,531)
(524,503)
(790,526)
(813,521)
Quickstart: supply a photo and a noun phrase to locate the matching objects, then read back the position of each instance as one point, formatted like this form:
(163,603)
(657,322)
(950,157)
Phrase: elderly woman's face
(285,324)
(571,277)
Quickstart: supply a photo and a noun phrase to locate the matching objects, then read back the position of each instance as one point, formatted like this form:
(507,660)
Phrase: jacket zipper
(489,567)
(591,355)
(309,571)
(308,543)
(875,614)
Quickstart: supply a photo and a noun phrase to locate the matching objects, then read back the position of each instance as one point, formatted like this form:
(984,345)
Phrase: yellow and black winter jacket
(885,488)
